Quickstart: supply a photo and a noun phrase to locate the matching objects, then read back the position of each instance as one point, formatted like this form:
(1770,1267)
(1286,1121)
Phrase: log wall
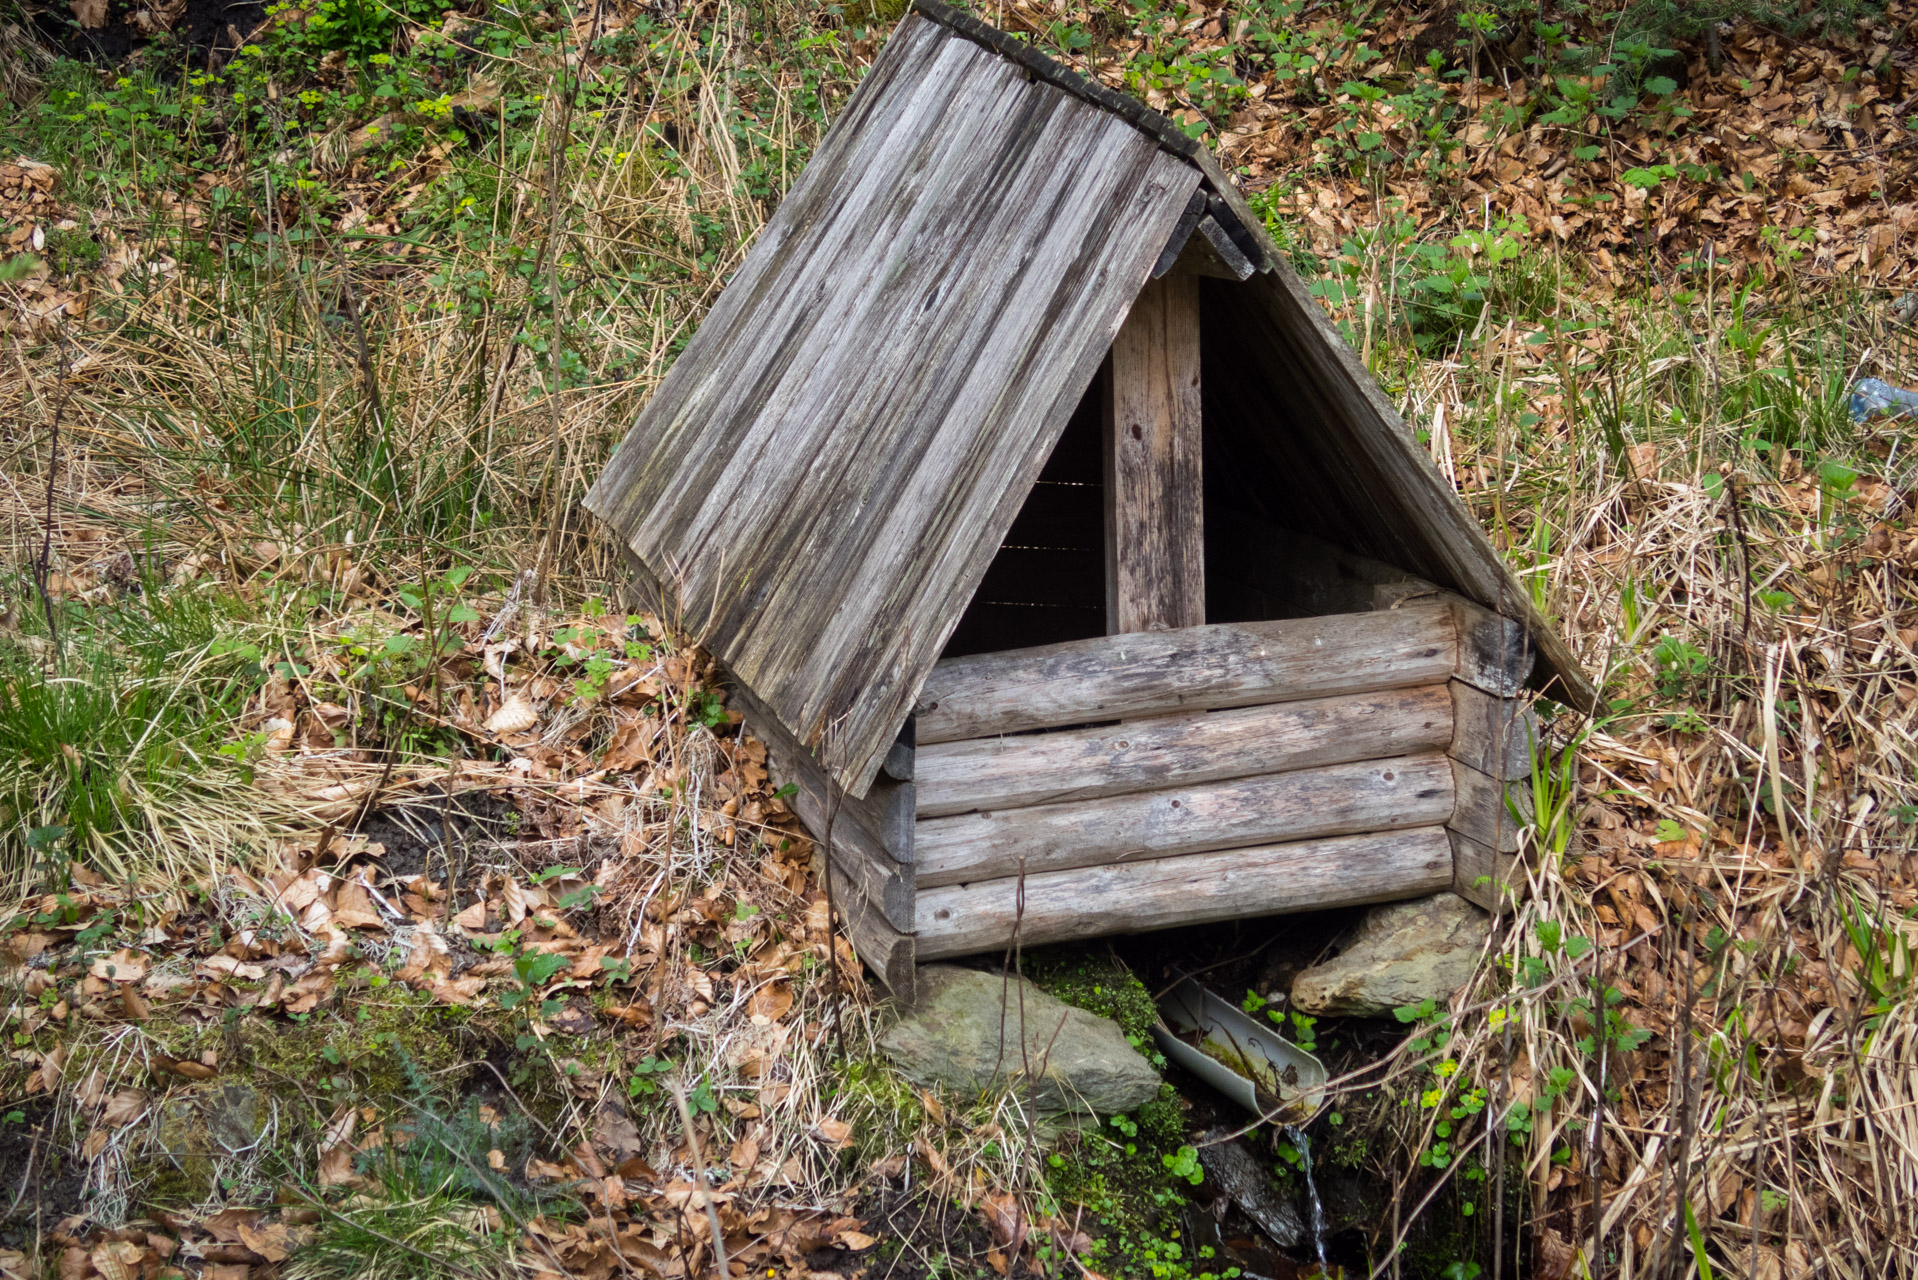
(1176,777)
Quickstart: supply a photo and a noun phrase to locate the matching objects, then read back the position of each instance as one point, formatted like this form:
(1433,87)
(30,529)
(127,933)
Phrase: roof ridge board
(1003,43)
(1235,215)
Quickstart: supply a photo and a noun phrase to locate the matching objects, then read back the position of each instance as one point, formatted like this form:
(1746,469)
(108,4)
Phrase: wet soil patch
(418,835)
(41,1181)
(205,35)
(921,1237)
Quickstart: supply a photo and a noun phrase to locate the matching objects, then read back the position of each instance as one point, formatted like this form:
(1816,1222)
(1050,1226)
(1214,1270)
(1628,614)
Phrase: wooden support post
(1155,536)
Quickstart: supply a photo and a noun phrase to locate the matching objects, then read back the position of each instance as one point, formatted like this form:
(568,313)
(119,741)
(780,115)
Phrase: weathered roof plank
(823,477)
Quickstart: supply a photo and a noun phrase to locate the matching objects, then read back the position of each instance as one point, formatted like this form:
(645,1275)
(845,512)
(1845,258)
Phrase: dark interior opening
(1047,583)
(1270,471)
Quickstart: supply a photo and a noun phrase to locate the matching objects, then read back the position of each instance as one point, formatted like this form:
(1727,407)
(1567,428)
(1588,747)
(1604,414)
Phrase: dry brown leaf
(836,1132)
(305,995)
(496,1159)
(91,14)
(1005,1220)
(774,1000)
(118,1260)
(225,1225)
(336,1166)
(616,1133)
(227,967)
(460,991)
(516,716)
(124,1108)
(269,1241)
(121,966)
(354,909)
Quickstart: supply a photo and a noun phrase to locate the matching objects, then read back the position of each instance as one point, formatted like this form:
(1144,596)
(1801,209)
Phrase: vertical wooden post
(1155,537)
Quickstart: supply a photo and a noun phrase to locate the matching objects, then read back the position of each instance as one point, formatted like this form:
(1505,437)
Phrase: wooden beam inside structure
(1155,537)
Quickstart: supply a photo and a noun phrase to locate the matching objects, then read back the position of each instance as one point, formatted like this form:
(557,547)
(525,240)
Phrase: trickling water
(1304,1144)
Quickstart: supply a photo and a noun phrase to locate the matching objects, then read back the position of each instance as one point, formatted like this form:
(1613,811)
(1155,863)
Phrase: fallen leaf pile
(1789,141)
(27,204)
(656,900)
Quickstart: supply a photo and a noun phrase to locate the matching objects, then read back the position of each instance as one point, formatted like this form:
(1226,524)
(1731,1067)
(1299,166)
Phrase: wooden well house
(1066,559)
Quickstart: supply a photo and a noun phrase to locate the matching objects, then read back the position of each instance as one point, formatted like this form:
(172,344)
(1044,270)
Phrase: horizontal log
(1180,749)
(1235,664)
(1375,795)
(1494,653)
(1483,875)
(1482,811)
(900,757)
(1233,884)
(1496,736)
(886,952)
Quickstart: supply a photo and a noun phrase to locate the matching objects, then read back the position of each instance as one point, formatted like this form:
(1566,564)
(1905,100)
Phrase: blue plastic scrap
(1871,397)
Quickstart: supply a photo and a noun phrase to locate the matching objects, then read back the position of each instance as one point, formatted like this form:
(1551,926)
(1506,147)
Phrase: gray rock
(1402,953)
(963,1033)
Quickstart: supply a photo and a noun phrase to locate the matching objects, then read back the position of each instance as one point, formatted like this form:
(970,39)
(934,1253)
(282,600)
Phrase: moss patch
(1092,980)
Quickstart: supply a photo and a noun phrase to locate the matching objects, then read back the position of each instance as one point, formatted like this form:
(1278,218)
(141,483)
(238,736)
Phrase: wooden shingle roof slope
(822,479)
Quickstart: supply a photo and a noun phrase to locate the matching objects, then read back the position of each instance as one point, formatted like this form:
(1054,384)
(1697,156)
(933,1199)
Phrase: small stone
(1401,953)
(963,1033)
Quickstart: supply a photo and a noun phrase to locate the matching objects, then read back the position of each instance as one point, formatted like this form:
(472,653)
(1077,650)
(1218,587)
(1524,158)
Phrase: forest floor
(386,900)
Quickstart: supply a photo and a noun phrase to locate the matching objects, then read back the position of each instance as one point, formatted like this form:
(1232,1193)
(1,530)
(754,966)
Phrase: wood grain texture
(1175,243)
(1494,653)
(1225,250)
(825,473)
(886,952)
(901,755)
(1483,875)
(887,884)
(1494,735)
(1196,668)
(1233,884)
(1482,812)
(1374,795)
(1180,749)
(1154,496)
(1282,381)
(868,847)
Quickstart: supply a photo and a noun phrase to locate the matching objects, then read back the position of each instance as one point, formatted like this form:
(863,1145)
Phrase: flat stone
(963,1034)
(1401,953)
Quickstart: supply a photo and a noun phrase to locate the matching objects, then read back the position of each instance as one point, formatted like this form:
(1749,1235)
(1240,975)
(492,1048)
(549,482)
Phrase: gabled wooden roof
(823,477)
